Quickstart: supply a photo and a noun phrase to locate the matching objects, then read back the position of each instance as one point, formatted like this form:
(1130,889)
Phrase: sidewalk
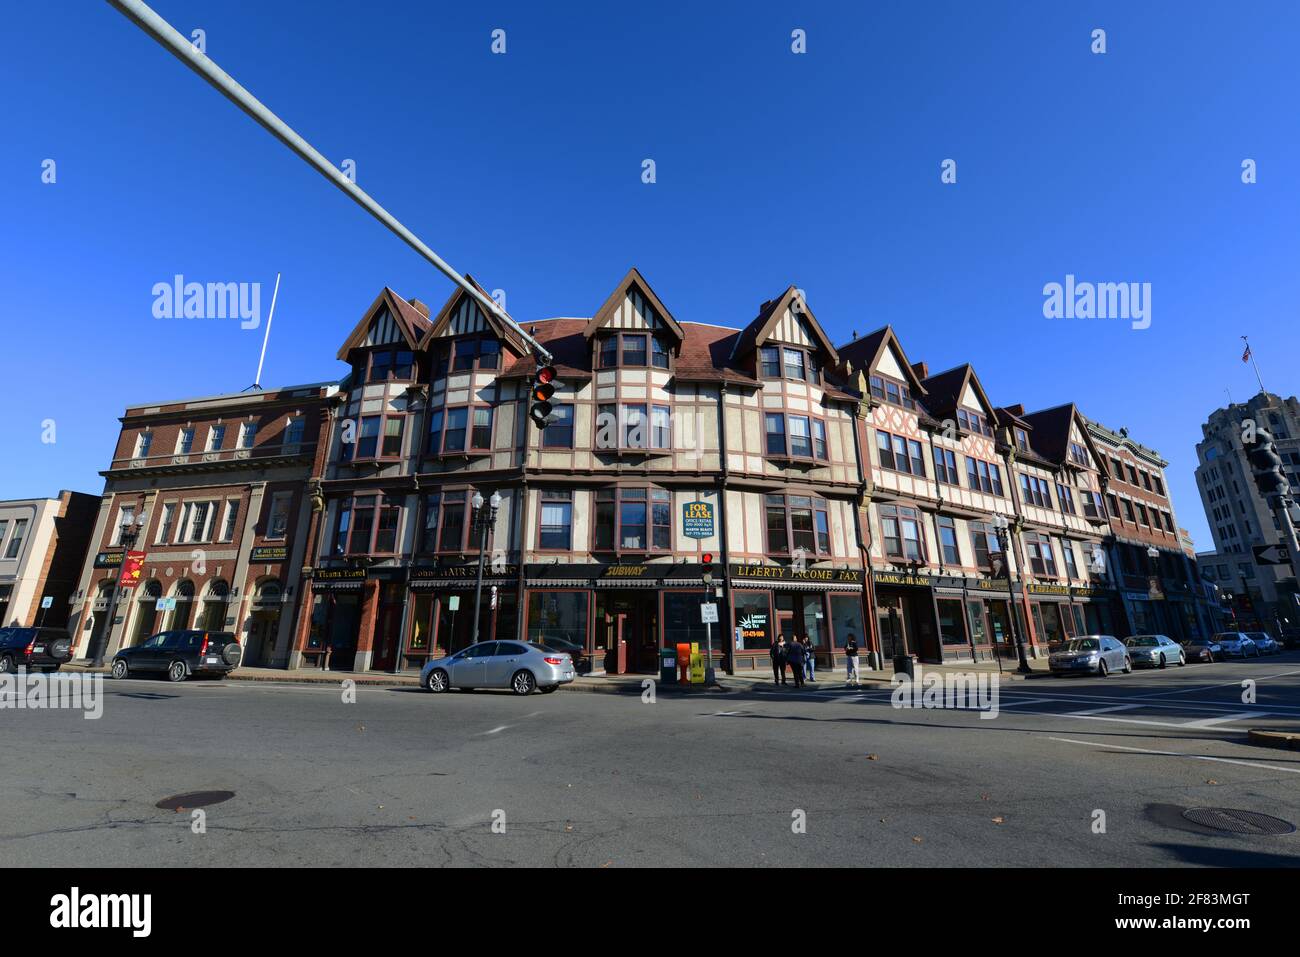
(747,681)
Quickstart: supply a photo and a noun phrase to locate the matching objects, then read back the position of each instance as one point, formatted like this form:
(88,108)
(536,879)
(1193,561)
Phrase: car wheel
(1102,670)
(1182,659)
(119,668)
(176,671)
(7,664)
(1128,665)
(1162,660)
(438,681)
(523,682)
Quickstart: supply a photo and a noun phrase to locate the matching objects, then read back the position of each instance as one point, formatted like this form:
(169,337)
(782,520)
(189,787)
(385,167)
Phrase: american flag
(1245,356)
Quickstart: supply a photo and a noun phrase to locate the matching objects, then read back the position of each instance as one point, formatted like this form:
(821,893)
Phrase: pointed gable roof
(866,351)
(944,391)
(393,319)
(452,306)
(632,280)
(771,313)
(1051,432)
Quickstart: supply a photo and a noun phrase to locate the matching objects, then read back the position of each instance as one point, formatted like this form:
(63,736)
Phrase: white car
(1236,644)
(1155,651)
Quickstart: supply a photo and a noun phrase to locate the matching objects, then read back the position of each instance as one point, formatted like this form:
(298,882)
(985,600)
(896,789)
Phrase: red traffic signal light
(707,558)
(545,374)
(544,383)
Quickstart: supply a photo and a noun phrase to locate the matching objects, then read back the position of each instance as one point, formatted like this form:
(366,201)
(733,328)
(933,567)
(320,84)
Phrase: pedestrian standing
(809,657)
(851,659)
(795,655)
(778,653)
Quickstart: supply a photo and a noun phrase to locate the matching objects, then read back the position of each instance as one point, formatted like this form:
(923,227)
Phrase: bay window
(1038,549)
(900,454)
(559,434)
(795,436)
(481,437)
(637,519)
(797,523)
(948,541)
(901,533)
(478,352)
(984,541)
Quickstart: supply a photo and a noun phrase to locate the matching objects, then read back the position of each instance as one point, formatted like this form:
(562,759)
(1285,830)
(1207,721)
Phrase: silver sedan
(523,667)
(1155,650)
(1090,654)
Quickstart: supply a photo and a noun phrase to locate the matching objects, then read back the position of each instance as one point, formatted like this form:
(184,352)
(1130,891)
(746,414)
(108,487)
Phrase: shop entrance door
(345,618)
(889,616)
(388,627)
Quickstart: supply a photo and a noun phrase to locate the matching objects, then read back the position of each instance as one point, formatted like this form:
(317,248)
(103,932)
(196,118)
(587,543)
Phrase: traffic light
(1266,466)
(707,561)
(541,411)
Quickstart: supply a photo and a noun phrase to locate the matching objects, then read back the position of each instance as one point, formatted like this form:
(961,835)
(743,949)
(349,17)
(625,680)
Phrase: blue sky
(820,169)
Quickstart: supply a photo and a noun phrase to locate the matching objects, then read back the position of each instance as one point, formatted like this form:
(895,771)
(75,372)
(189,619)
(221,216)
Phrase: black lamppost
(483,520)
(127,534)
(1002,528)
(1154,589)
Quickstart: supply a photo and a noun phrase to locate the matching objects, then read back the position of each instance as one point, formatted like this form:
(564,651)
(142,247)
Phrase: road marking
(1239,716)
(494,730)
(1227,684)
(1003,705)
(1114,707)
(1177,754)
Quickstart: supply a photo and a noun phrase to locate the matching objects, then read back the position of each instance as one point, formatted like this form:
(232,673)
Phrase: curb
(1285,740)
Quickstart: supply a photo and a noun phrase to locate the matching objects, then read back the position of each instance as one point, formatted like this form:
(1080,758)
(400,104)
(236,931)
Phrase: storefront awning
(796,586)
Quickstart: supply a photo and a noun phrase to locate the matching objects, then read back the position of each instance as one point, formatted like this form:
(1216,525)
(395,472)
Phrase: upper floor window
(630,349)
(795,436)
(948,541)
(165,524)
(973,422)
(367,524)
(1022,439)
(142,443)
(945,467)
(277,523)
(1158,486)
(630,427)
(294,431)
(984,540)
(444,525)
(184,441)
(559,434)
(449,429)
(1066,498)
(229,521)
(1036,491)
(1038,549)
(983,476)
(385,364)
(635,518)
(1079,455)
(481,352)
(377,437)
(247,434)
(1067,551)
(785,362)
(901,533)
(216,438)
(900,454)
(892,391)
(797,524)
(16,539)
(555,520)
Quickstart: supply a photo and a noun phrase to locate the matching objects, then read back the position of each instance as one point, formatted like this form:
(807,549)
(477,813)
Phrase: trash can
(905,665)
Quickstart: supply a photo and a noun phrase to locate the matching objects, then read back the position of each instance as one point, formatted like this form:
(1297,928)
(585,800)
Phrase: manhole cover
(1237,822)
(185,802)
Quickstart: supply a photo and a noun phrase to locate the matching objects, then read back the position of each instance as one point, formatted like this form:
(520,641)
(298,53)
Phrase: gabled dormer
(785,341)
(633,329)
(464,337)
(957,399)
(889,377)
(382,346)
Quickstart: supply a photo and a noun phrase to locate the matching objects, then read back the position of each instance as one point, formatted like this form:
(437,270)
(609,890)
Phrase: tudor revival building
(842,491)
(217,489)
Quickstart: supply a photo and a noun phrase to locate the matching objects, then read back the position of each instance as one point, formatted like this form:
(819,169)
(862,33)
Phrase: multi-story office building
(836,492)
(213,496)
(1239,517)
(42,545)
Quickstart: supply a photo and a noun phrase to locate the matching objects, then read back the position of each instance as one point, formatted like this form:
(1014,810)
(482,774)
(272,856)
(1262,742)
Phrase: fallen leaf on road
(917,840)
(999,820)
(873,757)
(1211,781)
(984,797)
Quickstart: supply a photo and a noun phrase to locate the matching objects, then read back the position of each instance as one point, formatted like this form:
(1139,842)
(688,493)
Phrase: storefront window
(846,619)
(421,623)
(559,619)
(682,622)
(814,619)
(975,616)
(507,615)
(950,627)
(754,619)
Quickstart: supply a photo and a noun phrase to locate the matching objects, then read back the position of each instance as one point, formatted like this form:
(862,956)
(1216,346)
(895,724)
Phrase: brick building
(222,485)
(43,542)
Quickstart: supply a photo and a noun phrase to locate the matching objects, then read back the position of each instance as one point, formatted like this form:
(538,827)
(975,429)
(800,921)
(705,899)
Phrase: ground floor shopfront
(613,618)
(949,618)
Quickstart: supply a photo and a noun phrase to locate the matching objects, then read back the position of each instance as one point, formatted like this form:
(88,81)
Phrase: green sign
(697,519)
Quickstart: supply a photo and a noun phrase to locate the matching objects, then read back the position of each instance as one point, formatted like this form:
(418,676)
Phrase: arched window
(213,617)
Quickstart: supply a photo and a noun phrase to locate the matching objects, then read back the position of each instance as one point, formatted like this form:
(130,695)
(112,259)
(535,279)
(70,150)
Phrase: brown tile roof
(1051,431)
(706,355)
(569,348)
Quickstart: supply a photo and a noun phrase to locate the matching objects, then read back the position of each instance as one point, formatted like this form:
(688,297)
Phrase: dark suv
(179,654)
(37,649)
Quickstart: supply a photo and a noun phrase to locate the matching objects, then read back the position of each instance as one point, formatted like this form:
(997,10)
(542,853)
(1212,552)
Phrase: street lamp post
(483,521)
(127,535)
(1002,528)
(1153,558)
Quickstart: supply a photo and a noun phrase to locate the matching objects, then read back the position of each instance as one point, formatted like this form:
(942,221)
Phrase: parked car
(180,654)
(36,649)
(1265,642)
(1099,654)
(523,667)
(1154,650)
(1201,648)
(1236,644)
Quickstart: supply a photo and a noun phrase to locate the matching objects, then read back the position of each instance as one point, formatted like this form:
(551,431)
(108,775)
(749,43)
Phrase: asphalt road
(405,777)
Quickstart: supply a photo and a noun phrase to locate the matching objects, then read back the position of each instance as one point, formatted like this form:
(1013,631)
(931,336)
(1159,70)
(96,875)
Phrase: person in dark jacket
(795,655)
(778,653)
(851,660)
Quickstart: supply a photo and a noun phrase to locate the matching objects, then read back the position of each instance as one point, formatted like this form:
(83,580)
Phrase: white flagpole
(257,380)
(1251,352)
